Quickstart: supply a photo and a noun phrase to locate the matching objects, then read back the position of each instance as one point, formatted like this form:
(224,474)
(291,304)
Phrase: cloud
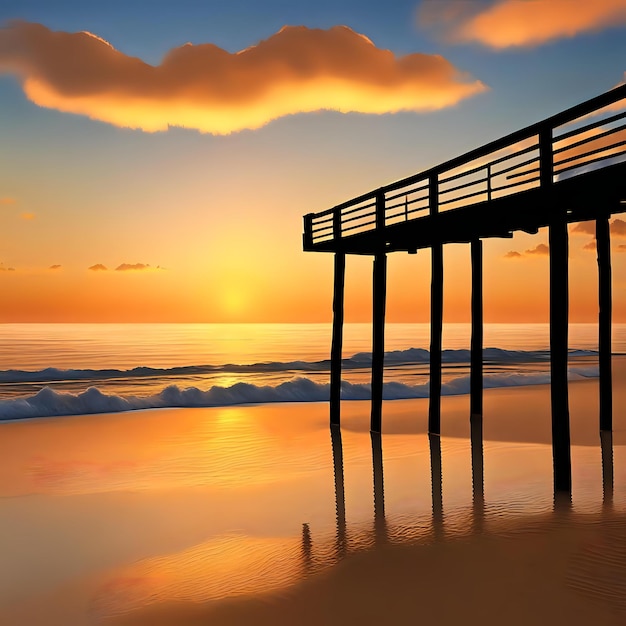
(296,70)
(125,267)
(591,245)
(540,249)
(584,228)
(615,107)
(7,201)
(514,23)
(98,267)
(27,216)
(55,267)
(6,269)
(621,247)
(618,228)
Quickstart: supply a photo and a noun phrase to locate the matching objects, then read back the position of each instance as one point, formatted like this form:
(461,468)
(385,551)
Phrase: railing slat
(345,230)
(482,192)
(571,146)
(464,186)
(519,183)
(582,129)
(592,152)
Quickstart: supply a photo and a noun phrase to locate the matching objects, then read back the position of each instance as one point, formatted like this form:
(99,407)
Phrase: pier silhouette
(570,167)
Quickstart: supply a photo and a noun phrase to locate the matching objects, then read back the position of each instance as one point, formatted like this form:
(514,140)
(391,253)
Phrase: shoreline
(354,393)
(514,414)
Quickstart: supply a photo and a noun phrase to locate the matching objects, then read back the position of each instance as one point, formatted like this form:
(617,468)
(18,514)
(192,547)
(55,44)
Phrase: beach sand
(256,515)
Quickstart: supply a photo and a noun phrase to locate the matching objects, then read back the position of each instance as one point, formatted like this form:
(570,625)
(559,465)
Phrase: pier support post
(604,322)
(558,354)
(378,339)
(476,347)
(337,340)
(436,328)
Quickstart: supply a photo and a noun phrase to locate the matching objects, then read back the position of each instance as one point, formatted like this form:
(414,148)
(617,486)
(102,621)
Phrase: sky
(156,158)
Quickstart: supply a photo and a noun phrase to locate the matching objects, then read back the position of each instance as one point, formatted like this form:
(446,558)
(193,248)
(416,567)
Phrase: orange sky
(167,182)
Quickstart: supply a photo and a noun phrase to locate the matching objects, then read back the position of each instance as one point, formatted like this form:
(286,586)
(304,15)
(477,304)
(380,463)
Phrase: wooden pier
(568,168)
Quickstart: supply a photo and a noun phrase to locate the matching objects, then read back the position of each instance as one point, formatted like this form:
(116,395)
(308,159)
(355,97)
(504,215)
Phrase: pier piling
(378,338)
(604,322)
(558,355)
(337,339)
(436,329)
(476,346)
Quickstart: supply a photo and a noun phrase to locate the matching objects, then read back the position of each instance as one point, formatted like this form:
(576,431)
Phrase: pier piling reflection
(380,525)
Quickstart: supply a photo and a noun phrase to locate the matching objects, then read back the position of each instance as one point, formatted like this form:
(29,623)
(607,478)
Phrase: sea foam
(47,402)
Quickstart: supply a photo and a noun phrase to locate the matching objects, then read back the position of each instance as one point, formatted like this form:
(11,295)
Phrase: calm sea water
(124,346)
(243,363)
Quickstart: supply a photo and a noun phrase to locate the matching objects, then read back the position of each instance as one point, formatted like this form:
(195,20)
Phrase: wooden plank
(337,339)
(604,322)
(378,338)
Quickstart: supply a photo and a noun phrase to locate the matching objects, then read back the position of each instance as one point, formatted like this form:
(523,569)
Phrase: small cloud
(27,216)
(541,249)
(618,228)
(511,23)
(621,247)
(590,246)
(512,254)
(6,269)
(6,201)
(125,267)
(98,267)
(55,267)
(584,228)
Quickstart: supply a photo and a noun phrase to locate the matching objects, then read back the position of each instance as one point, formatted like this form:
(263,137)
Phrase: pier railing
(589,136)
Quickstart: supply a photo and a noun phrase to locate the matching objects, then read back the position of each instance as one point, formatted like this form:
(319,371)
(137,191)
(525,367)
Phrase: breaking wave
(47,402)
(411,356)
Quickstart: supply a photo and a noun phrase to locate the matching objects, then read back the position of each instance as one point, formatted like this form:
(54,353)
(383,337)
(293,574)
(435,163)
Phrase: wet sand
(255,515)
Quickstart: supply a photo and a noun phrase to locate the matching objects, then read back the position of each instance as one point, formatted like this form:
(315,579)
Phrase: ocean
(258,513)
(61,369)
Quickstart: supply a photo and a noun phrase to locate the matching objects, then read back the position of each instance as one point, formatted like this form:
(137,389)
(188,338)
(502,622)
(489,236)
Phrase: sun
(234,302)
